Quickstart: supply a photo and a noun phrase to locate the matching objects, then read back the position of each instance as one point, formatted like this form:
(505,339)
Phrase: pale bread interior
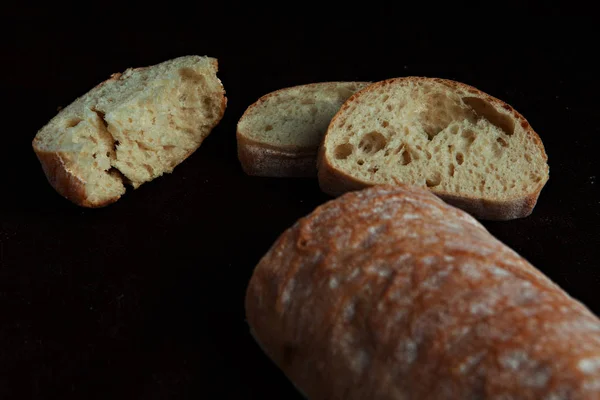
(296,117)
(136,126)
(431,134)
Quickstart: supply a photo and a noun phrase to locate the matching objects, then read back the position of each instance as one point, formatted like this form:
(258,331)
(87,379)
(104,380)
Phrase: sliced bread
(469,148)
(130,129)
(279,134)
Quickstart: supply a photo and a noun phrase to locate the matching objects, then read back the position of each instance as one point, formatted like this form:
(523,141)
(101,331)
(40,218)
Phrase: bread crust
(65,182)
(335,182)
(72,187)
(261,159)
(389,293)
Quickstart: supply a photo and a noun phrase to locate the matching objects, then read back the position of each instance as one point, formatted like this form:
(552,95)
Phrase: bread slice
(279,135)
(469,148)
(130,129)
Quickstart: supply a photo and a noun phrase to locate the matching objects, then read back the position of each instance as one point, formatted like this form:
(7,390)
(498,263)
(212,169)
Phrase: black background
(144,298)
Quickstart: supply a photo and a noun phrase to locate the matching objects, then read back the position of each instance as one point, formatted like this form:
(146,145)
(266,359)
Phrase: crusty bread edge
(259,159)
(67,184)
(334,182)
(71,186)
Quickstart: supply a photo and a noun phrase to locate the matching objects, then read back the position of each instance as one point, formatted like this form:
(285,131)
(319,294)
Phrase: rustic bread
(390,293)
(130,129)
(469,148)
(279,134)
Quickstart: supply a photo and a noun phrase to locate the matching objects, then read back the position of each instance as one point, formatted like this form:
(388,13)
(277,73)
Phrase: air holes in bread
(100,115)
(343,151)
(168,147)
(469,136)
(433,129)
(73,122)
(372,142)
(268,128)
(527,157)
(451,170)
(502,142)
(208,106)
(483,109)
(373,170)
(434,180)
(360,162)
(460,158)
(385,124)
(190,74)
(405,157)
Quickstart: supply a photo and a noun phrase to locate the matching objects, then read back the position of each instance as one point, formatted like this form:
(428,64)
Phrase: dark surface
(144,298)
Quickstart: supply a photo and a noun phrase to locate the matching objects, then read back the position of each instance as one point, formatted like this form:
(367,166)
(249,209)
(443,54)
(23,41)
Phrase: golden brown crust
(66,183)
(259,159)
(335,182)
(389,293)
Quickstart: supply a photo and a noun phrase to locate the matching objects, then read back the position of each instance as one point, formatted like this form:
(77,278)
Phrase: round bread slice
(130,129)
(279,135)
(469,148)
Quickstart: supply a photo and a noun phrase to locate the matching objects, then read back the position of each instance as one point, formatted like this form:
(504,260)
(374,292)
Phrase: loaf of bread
(130,129)
(279,134)
(389,293)
(469,148)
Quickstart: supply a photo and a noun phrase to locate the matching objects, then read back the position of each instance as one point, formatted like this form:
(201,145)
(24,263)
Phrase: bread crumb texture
(134,127)
(298,116)
(439,134)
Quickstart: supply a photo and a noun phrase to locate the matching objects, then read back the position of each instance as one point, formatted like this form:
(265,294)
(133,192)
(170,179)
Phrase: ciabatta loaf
(130,129)
(390,293)
(280,133)
(469,148)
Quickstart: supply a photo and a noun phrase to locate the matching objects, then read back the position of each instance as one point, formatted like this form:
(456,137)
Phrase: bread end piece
(388,293)
(130,129)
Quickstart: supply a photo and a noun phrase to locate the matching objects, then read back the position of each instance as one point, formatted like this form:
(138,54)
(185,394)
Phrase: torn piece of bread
(279,135)
(130,129)
(469,148)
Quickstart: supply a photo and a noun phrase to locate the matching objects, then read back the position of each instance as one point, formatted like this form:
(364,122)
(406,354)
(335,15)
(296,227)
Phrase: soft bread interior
(298,116)
(137,125)
(432,134)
